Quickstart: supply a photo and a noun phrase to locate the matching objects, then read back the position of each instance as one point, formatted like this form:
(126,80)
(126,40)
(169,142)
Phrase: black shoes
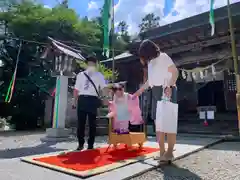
(90,147)
(81,147)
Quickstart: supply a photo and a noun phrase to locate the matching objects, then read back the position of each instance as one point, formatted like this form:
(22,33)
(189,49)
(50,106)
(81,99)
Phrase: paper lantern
(201,75)
(184,75)
(189,77)
(194,75)
(213,70)
(206,73)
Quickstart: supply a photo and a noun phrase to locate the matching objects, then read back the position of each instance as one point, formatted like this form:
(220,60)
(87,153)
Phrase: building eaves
(118,57)
(189,23)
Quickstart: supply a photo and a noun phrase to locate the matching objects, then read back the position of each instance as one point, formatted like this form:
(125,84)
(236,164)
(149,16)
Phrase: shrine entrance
(212,94)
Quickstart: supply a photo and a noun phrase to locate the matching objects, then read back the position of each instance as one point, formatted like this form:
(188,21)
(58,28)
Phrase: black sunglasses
(117,89)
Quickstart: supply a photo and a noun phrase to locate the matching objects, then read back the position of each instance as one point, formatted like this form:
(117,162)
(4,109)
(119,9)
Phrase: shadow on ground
(202,141)
(28,151)
(175,172)
(14,151)
(13,133)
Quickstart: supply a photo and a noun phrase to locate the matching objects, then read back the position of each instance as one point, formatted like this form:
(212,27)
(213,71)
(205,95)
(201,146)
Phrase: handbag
(99,103)
(166,117)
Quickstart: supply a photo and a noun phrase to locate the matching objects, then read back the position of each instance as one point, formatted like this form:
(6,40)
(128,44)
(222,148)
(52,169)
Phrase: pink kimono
(130,112)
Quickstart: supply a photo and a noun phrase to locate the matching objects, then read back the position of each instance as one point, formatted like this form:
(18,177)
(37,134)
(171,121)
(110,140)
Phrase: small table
(128,139)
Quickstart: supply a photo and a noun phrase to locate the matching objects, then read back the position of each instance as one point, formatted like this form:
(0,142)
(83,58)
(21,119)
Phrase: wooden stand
(128,139)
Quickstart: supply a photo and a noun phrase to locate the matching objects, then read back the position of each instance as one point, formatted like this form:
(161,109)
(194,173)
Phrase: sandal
(158,158)
(168,157)
(165,159)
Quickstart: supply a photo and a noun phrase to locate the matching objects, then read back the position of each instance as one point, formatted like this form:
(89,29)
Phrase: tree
(149,21)
(65,3)
(5,4)
(123,31)
(123,27)
(59,22)
(119,40)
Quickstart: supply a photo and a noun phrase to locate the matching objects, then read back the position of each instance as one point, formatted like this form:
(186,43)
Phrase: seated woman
(124,109)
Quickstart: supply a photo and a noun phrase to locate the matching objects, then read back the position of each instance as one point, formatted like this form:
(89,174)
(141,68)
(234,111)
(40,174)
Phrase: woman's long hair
(148,50)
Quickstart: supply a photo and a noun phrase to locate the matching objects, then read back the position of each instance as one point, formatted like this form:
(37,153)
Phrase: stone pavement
(219,162)
(14,147)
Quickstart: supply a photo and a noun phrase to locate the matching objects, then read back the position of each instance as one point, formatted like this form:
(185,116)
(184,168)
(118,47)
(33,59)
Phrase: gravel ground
(220,162)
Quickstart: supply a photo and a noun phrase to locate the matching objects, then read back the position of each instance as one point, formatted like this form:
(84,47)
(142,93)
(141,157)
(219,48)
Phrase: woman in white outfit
(162,77)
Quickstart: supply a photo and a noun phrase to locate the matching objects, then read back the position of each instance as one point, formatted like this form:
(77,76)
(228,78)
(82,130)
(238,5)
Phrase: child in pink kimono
(124,109)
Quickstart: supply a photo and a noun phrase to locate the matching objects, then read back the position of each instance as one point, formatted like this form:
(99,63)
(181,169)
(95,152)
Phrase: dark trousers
(87,109)
(82,118)
(135,128)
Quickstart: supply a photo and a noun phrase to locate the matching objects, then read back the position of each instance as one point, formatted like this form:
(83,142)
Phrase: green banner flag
(211,17)
(107,25)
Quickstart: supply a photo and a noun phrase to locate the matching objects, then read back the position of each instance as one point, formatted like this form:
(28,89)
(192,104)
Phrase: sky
(132,11)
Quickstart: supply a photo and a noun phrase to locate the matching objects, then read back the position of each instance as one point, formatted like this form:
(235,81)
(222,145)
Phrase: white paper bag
(210,114)
(202,115)
(166,117)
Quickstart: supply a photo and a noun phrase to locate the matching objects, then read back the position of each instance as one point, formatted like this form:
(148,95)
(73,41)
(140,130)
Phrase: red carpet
(92,159)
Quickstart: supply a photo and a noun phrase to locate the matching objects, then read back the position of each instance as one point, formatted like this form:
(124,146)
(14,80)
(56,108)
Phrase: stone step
(101,130)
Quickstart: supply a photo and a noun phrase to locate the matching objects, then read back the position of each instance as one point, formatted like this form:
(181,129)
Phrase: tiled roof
(190,22)
(67,50)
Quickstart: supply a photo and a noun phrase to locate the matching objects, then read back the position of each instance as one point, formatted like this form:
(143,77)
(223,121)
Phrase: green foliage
(60,23)
(27,110)
(106,72)
(149,21)
(101,68)
(123,31)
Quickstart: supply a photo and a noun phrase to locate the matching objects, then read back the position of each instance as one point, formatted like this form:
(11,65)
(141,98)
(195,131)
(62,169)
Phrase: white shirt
(84,86)
(158,74)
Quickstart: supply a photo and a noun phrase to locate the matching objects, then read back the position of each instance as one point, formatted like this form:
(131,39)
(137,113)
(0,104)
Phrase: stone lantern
(63,61)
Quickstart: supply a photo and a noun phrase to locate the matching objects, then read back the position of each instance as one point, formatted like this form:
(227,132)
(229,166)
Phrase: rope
(198,69)
(202,86)
(78,44)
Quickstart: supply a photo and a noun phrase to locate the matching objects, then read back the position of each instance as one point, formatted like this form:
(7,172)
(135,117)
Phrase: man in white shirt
(88,85)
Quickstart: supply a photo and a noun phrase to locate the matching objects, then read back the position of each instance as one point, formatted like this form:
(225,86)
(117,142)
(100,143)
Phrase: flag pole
(112,37)
(235,61)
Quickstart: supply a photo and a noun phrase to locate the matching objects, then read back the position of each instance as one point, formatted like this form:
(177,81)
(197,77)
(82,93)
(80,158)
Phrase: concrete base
(57,134)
